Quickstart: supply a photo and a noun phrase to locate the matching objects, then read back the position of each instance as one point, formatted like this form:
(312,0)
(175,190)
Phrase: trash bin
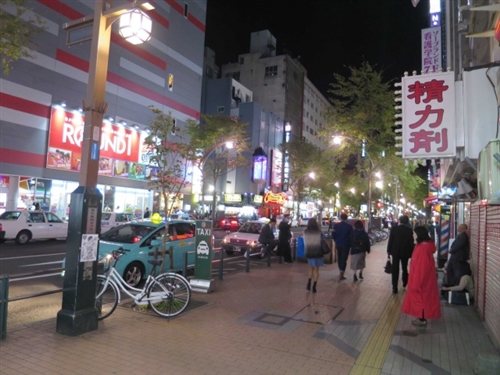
(300,249)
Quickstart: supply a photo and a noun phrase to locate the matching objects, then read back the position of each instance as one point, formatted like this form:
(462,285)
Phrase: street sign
(203,257)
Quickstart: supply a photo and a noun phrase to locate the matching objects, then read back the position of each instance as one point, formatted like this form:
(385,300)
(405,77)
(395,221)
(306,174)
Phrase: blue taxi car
(137,237)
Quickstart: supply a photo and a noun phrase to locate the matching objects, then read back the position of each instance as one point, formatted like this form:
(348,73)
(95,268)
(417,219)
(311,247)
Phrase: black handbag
(325,249)
(388,266)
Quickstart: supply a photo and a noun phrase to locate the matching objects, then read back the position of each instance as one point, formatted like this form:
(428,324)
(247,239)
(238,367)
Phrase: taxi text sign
(203,250)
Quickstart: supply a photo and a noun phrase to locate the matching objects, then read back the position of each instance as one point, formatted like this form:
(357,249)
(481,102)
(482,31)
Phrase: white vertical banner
(429,116)
(431,50)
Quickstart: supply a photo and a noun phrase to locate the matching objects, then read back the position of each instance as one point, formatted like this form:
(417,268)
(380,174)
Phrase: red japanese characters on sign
(429,116)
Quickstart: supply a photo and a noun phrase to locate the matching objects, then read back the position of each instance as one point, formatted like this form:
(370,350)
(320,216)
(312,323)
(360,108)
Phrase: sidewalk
(264,322)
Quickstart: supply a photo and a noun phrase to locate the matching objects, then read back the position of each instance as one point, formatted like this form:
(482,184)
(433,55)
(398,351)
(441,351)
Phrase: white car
(23,226)
(246,238)
(112,219)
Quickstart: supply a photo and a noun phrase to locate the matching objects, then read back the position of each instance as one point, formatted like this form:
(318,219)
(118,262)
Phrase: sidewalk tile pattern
(264,322)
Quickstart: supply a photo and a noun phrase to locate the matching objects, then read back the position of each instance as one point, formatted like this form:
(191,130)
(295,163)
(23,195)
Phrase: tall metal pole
(78,314)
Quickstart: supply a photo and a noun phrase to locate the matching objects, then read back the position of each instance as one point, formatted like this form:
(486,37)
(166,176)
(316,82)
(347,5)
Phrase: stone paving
(264,322)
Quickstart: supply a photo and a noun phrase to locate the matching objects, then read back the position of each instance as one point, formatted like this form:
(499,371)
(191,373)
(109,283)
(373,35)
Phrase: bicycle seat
(155,262)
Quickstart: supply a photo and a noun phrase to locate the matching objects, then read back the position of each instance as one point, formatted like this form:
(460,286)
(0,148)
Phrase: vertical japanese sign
(431,50)
(429,116)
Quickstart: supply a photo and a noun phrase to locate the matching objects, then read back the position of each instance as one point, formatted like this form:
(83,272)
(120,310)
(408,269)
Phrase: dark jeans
(342,255)
(395,271)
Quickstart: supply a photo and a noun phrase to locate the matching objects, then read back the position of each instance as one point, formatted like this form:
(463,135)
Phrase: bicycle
(168,294)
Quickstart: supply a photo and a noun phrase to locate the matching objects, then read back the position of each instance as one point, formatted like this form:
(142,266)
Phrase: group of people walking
(422,299)
(348,240)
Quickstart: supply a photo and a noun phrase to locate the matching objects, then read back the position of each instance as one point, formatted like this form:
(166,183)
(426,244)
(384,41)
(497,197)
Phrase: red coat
(422,294)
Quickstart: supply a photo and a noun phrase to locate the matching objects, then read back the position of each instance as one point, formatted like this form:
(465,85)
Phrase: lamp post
(229,145)
(364,154)
(78,314)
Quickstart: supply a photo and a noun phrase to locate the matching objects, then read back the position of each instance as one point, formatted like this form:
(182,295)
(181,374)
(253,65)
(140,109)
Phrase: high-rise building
(41,105)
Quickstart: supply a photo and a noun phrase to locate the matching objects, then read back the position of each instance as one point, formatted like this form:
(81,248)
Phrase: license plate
(237,248)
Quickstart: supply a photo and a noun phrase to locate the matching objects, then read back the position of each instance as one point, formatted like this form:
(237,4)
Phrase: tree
(170,157)
(221,145)
(18,26)
(363,113)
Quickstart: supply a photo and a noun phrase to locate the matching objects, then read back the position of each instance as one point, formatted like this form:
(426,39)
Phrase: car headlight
(225,240)
(252,243)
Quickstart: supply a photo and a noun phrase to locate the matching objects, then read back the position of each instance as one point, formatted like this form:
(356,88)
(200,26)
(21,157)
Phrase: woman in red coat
(422,296)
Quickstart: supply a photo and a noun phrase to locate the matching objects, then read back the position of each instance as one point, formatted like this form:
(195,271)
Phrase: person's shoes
(355,278)
(361,276)
(314,288)
(342,277)
(394,291)
(287,262)
(419,323)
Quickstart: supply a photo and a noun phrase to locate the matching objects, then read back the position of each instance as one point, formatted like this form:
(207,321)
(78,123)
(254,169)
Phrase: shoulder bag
(325,249)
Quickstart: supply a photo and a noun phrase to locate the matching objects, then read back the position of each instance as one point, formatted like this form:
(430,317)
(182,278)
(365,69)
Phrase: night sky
(327,35)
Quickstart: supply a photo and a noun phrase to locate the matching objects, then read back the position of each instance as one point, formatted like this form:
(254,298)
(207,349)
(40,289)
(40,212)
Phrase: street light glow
(135,26)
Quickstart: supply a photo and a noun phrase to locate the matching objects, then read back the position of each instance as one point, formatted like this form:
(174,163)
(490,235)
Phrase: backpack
(358,245)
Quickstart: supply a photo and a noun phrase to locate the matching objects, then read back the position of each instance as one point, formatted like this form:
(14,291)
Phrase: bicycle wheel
(169,294)
(106,300)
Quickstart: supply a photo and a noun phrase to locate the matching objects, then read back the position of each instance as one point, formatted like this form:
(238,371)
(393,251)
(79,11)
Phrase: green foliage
(18,26)
(209,138)
(363,111)
(171,154)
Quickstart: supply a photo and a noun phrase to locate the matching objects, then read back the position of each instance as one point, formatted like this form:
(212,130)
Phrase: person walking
(284,237)
(313,252)
(147,213)
(267,238)
(400,247)
(341,234)
(459,255)
(422,297)
(360,246)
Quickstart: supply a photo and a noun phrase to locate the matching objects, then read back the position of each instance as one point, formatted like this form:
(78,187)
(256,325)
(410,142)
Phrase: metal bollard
(4,300)
(221,265)
(185,270)
(247,255)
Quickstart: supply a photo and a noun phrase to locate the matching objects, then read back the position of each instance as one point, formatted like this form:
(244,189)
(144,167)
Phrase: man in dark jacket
(459,255)
(341,234)
(285,235)
(267,238)
(400,247)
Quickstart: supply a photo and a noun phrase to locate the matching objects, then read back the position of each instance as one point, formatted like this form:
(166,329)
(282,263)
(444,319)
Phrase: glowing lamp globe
(135,26)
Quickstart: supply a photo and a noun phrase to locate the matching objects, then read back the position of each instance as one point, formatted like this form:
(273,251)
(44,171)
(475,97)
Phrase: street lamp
(78,314)
(337,140)
(201,166)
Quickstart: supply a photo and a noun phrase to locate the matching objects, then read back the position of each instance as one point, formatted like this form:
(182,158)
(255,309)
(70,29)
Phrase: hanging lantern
(135,26)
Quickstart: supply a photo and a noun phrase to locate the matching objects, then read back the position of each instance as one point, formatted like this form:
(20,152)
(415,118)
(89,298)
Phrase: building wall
(137,79)
(314,108)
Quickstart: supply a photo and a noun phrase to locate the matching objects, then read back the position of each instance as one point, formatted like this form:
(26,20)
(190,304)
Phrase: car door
(184,241)
(56,227)
(37,224)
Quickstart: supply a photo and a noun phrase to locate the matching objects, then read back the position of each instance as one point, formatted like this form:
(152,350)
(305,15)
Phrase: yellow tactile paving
(372,357)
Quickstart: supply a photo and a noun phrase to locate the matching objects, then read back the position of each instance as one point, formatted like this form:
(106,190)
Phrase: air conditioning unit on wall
(489,172)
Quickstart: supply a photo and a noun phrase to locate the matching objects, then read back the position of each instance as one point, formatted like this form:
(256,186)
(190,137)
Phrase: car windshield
(10,215)
(249,227)
(128,233)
